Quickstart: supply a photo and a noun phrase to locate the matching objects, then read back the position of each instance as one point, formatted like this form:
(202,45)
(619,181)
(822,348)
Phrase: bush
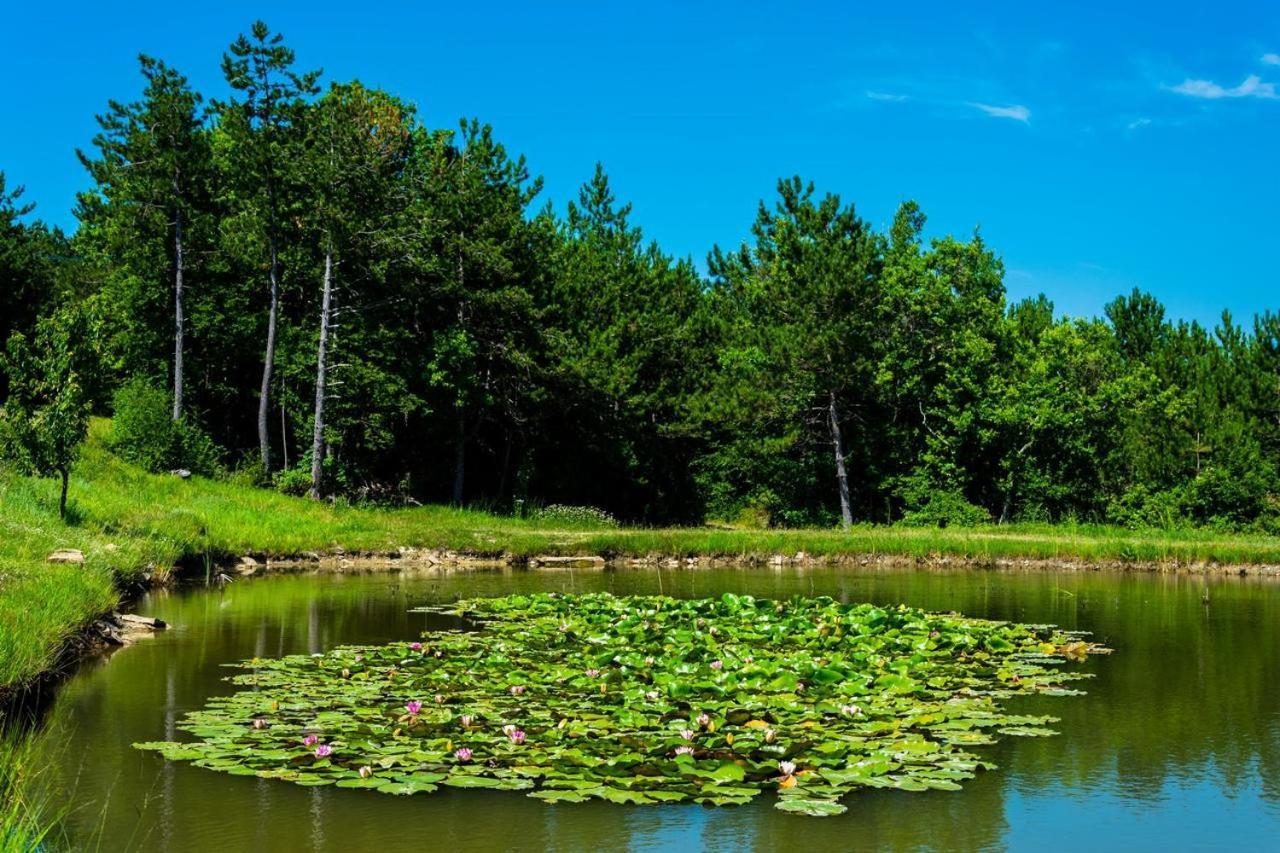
(944,508)
(143,432)
(575,516)
(293,481)
(1140,507)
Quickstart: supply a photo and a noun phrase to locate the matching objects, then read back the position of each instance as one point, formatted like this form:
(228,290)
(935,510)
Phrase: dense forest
(303,285)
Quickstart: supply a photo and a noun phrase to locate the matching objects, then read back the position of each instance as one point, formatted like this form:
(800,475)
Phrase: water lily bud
(770,736)
(365,772)
(260,723)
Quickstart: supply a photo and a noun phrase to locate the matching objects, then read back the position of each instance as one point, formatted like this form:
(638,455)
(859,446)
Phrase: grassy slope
(127,521)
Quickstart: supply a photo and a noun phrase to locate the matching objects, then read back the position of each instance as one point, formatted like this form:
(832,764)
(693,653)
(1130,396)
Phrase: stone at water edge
(72,556)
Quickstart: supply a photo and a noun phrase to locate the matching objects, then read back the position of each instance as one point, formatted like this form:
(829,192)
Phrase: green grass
(130,523)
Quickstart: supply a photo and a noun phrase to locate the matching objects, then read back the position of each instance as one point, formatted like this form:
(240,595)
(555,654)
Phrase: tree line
(323,293)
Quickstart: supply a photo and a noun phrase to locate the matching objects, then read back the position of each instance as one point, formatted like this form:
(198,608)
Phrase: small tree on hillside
(44,420)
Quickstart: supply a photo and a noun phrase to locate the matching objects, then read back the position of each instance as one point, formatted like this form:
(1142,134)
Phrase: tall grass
(130,523)
(27,813)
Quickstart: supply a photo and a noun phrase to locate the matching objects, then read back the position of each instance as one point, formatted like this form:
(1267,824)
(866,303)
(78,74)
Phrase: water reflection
(1176,745)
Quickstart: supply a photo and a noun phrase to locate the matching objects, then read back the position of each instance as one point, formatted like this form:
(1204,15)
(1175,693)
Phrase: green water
(1177,745)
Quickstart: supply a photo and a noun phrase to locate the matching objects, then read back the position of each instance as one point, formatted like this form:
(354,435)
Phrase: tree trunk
(62,500)
(460,456)
(269,361)
(322,356)
(179,320)
(842,478)
(1011,482)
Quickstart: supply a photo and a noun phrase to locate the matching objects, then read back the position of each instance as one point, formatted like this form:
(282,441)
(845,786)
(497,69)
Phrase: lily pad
(643,700)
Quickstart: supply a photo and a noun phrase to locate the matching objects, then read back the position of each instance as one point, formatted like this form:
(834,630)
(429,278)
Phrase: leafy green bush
(293,481)
(944,508)
(143,432)
(575,516)
(1140,507)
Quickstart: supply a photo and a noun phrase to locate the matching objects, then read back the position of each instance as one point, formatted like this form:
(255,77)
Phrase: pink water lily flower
(415,647)
(260,723)
(717,664)
(310,740)
(466,720)
(684,750)
(704,720)
(517,737)
(850,710)
(687,734)
(463,754)
(324,750)
(517,689)
(593,673)
(413,706)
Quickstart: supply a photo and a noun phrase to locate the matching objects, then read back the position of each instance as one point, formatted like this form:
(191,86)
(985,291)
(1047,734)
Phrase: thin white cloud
(1139,123)
(886,96)
(1271,59)
(1017,112)
(1252,87)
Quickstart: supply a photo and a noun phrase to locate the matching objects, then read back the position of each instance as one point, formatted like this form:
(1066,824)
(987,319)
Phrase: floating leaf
(643,700)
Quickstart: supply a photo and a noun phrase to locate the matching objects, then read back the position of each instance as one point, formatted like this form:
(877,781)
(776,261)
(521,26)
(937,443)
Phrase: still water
(1175,747)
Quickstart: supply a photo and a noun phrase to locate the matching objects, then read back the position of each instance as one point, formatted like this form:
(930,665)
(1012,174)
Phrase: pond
(1176,745)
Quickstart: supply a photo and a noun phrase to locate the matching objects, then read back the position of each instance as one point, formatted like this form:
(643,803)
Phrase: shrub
(1140,507)
(293,481)
(944,508)
(143,432)
(575,516)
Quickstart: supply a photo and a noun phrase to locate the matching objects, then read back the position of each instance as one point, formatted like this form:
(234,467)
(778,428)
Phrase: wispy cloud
(1252,87)
(1138,123)
(1271,59)
(886,96)
(1017,112)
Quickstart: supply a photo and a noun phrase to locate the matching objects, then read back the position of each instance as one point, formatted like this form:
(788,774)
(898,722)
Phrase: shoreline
(90,640)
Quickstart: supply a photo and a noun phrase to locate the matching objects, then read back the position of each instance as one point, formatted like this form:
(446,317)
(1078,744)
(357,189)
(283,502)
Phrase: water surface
(1176,745)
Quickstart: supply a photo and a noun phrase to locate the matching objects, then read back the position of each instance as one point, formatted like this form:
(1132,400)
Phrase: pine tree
(264,127)
(152,173)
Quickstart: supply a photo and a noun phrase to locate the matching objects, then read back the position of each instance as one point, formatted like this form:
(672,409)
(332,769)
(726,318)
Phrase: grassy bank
(131,525)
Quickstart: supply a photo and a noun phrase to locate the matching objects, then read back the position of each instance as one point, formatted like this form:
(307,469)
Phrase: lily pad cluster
(644,700)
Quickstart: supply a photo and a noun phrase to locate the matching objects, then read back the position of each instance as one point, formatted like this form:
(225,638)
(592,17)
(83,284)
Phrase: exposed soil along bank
(419,558)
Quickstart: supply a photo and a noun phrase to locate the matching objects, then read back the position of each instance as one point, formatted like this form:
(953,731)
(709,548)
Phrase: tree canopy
(339,299)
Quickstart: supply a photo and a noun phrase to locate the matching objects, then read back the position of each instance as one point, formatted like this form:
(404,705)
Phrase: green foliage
(943,508)
(144,432)
(292,481)
(46,416)
(480,351)
(643,700)
(574,516)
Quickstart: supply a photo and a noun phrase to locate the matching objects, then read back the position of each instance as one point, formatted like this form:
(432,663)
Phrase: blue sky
(1098,146)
